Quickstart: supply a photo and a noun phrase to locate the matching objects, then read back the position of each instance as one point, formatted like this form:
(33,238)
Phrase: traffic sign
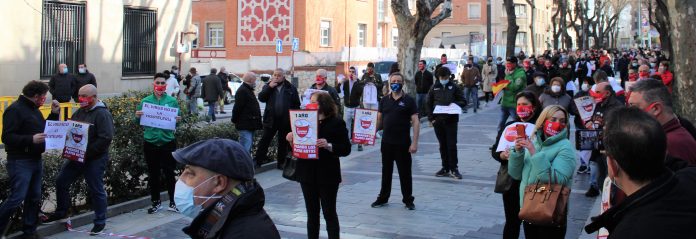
(279,46)
(295,44)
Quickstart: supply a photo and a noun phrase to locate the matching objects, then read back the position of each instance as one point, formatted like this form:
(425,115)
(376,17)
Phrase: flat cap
(223,156)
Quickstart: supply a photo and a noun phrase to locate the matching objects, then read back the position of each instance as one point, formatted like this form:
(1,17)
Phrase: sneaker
(583,169)
(172,207)
(410,206)
(455,174)
(592,192)
(378,203)
(55,218)
(156,206)
(360,147)
(442,173)
(97,229)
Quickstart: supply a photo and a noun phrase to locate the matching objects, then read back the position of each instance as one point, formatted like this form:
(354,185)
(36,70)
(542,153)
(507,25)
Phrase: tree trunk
(683,25)
(511,28)
(531,26)
(408,58)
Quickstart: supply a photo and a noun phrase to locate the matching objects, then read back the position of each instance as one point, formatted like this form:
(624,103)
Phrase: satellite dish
(191,33)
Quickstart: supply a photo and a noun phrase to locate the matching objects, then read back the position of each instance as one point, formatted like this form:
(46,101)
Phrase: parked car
(383,67)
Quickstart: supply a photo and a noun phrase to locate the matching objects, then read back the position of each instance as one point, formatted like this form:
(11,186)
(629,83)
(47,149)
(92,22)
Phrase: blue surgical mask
(82,70)
(444,82)
(396,87)
(539,81)
(65,70)
(183,198)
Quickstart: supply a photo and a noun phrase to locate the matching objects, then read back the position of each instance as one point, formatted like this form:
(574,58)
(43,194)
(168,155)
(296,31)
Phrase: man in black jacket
(62,84)
(280,96)
(83,78)
(224,80)
(351,88)
(100,134)
(212,92)
(23,136)
(424,80)
(320,84)
(659,204)
(246,112)
(218,190)
(444,93)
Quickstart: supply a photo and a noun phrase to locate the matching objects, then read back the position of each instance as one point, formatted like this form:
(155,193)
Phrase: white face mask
(556,88)
(585,87)
(183,198)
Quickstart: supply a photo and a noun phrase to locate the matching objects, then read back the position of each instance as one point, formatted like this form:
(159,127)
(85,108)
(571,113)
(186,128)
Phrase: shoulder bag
(545,204)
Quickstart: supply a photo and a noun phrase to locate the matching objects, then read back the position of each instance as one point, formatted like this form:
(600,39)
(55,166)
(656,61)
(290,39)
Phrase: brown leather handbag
(545,204)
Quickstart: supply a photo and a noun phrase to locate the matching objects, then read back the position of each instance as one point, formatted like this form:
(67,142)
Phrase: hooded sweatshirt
(101,129)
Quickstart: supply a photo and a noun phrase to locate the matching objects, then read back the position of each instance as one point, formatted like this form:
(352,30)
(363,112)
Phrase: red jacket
(667,79)
(680,144)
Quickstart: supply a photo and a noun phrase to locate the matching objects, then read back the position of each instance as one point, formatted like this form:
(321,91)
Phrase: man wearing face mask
(517,78)
(352,92)
(158,145)
(62,85)
(659,203)
(218,190)
(666,75)
(539,83)
(320,84)
(246,112)
(643,72)
(445,92)
(528,71)
(101,132)
(23,137)
(83,78)
(471,78)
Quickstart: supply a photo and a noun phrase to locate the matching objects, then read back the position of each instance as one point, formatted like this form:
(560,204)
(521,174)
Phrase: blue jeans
(25,186)
(348,117)
(471,96)
(246,138)
(211,110)
(506,113)
(193,105)
(93,171)
(420,102)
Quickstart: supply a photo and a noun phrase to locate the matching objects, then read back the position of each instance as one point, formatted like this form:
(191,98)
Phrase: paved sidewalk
(445,207)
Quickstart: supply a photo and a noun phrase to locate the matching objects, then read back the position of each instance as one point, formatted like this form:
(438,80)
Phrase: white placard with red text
(76,141)
(586,107)
(364,126)
(305,131)
(507,139)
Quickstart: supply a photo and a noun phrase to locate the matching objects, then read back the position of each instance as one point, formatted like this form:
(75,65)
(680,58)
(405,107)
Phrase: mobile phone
(521,131)
(586,139)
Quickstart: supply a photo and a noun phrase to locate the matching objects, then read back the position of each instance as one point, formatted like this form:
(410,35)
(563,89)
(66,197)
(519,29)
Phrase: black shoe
(455,174)
(360,147)
(172,207)
(583,169)
(410,206)
(156,206)
(222,112)
(55,218)
(442,173)
(379,203)
(97,229)
(592,192)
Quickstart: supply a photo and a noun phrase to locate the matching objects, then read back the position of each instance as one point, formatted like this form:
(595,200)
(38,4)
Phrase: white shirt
(172,86)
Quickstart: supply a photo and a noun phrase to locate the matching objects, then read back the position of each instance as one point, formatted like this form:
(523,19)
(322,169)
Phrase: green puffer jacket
(153,135)
(518,81)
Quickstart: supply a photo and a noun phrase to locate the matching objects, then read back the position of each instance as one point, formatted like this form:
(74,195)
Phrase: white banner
(586,107)
(55,134)
(507,139)
(158,116)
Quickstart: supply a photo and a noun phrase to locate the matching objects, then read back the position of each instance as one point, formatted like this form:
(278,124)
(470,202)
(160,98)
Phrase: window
(362,28)
(62,36)
(139,41)
(521,39)
(474,11)
(395,37)
(520,10)
(215,35)
(379,35)
(380,10)
(194,43)
(325,33)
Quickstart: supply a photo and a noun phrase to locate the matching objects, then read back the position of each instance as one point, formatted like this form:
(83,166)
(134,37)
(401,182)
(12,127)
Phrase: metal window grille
(139,41)
(62,36)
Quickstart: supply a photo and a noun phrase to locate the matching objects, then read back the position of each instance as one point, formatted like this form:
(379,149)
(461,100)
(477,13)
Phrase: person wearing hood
(83,78)
(539,83)
(218,190)
(659,203)
(62,84)
(101,132)
(555,95)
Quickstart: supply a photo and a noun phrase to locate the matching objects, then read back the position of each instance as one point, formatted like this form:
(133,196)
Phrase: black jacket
(62,87)
(424,81)
(622,67)
(224,79)
(332,92)
(567,74)
(351,98)
(550,73)
(501,73)
(21,121)
(291,100)
(444,95)
(246,113)
(664,208)
(326,169)
(101,130)
(246,218)
(82,80)
(601,111)
(212,89)
(530,75)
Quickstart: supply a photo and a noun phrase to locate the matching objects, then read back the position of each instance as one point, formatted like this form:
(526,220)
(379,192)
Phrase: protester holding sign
(319,178)
(22,134)
(93,115)
(443,93)
(158,146)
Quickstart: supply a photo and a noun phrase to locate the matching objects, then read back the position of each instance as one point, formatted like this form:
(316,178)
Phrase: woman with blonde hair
(547,150)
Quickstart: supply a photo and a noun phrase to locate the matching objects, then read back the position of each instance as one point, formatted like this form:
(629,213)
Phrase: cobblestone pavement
(445,207)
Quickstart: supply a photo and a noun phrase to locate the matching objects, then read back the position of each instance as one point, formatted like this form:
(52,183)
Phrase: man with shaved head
(101,131)
(320,84)
(246,112)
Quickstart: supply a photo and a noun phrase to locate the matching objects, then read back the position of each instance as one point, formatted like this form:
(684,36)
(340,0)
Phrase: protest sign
(76,141)
(507,139)
(451,109)
(55,134)
(364,126)
(305,131)
(586,107)
(158,116)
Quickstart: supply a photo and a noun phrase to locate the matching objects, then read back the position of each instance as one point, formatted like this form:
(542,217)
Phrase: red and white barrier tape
(68,225)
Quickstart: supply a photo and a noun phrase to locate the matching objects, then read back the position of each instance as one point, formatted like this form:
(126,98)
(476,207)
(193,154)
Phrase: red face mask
(553,128)
(597,96)
(524,111)
(159,89)
(509,66)
(644,74)
(319,80)
(41,101)
(312,106)
(632,77)
(85,101)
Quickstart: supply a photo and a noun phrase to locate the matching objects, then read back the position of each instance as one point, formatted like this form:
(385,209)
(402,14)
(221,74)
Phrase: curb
(112,211)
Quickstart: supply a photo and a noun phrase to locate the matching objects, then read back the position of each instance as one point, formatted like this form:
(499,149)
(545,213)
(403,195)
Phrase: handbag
(289,169)
(503,181)
(545,204)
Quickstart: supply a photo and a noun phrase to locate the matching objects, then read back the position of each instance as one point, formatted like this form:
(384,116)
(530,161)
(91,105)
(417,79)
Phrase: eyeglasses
(160,83)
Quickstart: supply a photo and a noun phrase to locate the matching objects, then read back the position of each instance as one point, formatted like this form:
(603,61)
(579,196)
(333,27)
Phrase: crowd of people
(647,150)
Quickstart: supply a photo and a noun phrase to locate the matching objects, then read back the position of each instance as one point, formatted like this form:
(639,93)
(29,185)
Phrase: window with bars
(62,36)
(215,35)
(139,41)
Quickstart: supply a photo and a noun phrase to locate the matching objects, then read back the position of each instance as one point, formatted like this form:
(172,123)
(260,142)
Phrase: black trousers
(446,133)
(511,204)
(265,142)
(159,160)
(488,96)
(396,153)
(321,196)
(543,232)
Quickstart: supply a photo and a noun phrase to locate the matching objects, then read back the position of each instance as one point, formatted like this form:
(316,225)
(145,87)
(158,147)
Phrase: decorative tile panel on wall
(263,21)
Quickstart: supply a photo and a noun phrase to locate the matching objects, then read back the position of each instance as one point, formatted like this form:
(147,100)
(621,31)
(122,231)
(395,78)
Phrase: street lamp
(191,34)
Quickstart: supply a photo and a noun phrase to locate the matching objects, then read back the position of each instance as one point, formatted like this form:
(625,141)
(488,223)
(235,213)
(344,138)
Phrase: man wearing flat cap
(218,190)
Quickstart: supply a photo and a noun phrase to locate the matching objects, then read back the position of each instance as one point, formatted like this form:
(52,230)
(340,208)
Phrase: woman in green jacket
(548,150)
